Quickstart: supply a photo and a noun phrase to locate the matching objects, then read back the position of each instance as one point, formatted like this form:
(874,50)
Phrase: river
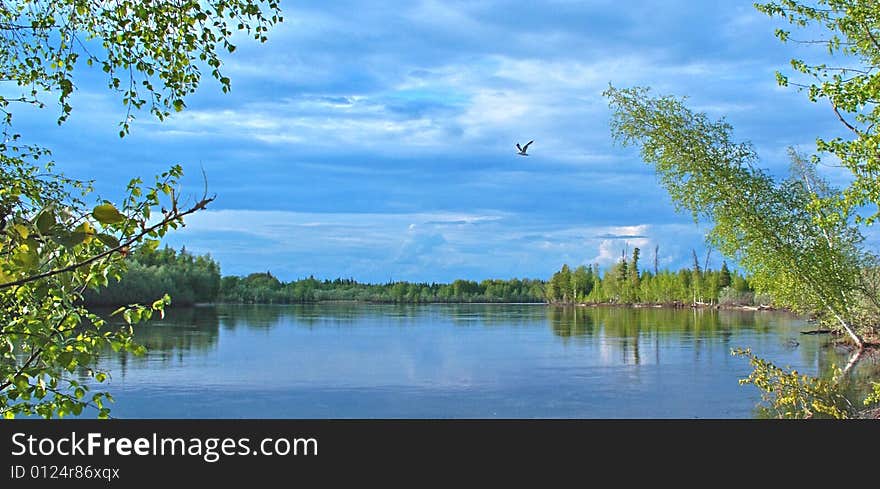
(454,361)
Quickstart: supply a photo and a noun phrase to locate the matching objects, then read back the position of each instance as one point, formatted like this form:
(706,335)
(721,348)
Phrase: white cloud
(445,15)
(420,246)
(482,104)
(358,123)
(608,253)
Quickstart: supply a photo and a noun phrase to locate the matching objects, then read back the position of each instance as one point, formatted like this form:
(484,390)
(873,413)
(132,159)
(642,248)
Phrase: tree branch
(173,217)
(844,121)
(33,356)
(871,36)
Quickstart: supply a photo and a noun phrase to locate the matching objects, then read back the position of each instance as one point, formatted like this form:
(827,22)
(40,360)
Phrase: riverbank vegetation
(624,283)
(263,288)
(797,237)
(790,235)
(150,274)
(191,279)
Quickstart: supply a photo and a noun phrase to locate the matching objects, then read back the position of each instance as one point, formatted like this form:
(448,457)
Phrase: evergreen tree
(724,278)
(565,284)
(635,267)
(622,269)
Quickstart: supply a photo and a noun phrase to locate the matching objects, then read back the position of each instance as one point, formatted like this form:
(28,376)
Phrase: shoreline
(638,305)
(675,305)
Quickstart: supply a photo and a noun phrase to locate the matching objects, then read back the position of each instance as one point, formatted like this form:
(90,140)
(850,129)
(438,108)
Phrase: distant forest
(191,279)
(625,283)
(187,278)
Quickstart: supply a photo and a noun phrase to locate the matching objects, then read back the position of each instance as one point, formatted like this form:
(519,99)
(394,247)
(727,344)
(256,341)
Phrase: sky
(375,140)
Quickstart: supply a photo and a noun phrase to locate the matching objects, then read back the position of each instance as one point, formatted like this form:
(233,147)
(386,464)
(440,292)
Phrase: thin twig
(844,121)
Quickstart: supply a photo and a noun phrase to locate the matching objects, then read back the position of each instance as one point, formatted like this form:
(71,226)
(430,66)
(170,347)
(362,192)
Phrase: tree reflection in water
(631,335)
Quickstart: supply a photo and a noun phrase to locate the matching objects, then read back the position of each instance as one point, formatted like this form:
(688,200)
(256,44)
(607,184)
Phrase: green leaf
(70,240)
(65,358)
(87,230)
(45,221)
(151,244)
(109,240)
(22,230)
(107,214)
(4,277)
(21,382)
(28,259)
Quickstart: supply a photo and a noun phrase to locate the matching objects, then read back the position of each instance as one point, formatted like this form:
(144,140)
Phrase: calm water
(458,361)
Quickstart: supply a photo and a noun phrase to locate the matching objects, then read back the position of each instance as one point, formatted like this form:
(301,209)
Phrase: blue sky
(375,140)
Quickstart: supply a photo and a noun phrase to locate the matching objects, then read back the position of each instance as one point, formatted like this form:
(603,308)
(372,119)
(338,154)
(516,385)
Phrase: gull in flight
(523,149)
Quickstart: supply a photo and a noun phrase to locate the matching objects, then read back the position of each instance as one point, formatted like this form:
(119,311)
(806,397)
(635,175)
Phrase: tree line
(152,273)
(624,283)
(191,279)
(264,288)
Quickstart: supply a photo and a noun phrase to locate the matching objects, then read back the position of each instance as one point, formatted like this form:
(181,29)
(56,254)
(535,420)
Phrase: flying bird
(523,149)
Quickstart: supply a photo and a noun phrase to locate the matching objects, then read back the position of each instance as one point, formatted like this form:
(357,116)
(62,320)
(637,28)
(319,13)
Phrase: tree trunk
(854,359)
(849,330)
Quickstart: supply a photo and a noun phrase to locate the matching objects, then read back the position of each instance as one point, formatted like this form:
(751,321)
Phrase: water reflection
(182,330)
(181,333)
(633,330)
(630,322)
(466,360)
(193,330)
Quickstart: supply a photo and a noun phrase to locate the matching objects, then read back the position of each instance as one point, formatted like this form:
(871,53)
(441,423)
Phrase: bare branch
(844,121)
